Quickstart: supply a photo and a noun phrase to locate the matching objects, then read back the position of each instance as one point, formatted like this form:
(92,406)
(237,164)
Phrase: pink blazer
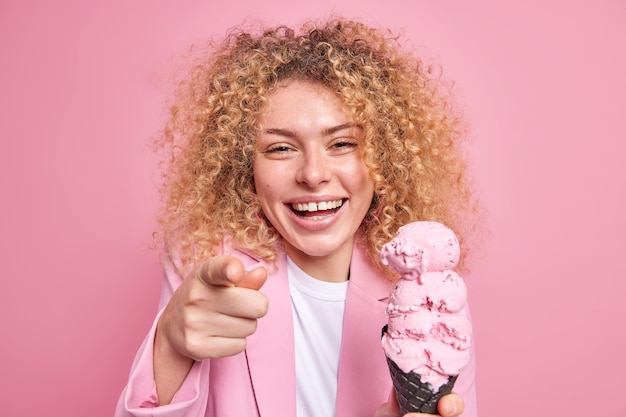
(261,380)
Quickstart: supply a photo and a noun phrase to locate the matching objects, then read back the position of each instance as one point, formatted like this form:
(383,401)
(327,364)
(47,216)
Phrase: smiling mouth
(316,209)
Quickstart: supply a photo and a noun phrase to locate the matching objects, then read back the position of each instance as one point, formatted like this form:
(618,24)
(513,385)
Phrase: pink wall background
(81,90)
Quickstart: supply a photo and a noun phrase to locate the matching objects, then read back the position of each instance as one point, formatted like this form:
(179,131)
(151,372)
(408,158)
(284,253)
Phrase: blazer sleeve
(139,397)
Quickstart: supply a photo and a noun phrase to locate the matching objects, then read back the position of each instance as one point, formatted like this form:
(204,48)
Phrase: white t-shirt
(318,308)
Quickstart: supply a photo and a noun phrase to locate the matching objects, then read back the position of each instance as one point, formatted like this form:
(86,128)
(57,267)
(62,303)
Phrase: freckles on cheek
(263,190)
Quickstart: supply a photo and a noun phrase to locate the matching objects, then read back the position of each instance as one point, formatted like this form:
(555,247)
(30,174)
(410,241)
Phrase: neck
(334,267)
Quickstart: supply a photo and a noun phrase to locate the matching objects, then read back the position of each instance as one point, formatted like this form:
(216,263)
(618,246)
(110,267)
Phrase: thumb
(450,405)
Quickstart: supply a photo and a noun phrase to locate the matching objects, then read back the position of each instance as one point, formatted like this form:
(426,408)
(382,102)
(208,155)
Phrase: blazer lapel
(364,381)
(270,350)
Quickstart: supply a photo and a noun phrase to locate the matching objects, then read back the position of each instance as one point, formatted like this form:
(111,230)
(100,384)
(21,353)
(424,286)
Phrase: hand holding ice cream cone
(450,405)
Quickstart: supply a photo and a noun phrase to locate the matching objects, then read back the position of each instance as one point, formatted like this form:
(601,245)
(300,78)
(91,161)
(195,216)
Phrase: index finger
(221,270)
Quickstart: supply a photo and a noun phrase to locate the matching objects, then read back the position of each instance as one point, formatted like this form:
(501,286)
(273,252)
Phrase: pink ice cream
(429,331)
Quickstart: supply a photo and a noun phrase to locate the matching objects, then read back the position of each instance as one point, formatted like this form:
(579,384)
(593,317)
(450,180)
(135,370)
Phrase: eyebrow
(326,132)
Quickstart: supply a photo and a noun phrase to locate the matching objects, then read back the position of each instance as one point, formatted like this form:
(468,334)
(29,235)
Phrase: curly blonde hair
(412,135)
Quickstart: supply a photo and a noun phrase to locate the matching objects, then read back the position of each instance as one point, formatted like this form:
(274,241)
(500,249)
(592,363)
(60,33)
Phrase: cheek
(259,175)
(360,177)
(266,173)
(265,189)
(353,168)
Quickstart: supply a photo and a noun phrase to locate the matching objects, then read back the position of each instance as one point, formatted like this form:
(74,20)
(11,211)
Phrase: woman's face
(309,172)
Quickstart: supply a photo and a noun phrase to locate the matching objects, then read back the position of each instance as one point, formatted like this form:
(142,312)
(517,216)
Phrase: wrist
(165,351)
(170,367)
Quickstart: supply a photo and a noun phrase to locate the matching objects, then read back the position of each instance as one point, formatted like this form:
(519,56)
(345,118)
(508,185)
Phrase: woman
(293,158)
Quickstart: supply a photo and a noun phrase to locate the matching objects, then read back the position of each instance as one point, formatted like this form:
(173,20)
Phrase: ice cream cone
(429,337)
(412,394)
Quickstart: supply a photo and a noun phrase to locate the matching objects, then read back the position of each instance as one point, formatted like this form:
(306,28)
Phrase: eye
(279,151)
(343,145)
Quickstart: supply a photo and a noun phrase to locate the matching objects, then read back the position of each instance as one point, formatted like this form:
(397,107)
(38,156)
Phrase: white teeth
(322,205)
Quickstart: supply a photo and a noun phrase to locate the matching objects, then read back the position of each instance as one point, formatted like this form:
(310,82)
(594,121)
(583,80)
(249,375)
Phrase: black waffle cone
(413,395)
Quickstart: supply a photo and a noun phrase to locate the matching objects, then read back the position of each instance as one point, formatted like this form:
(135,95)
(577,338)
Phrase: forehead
(294,101)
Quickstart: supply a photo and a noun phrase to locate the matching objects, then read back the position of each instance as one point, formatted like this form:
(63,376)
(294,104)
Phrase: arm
(169,367)
(209,316)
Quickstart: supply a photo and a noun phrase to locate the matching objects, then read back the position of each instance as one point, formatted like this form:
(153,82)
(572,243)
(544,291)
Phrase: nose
(314,169)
